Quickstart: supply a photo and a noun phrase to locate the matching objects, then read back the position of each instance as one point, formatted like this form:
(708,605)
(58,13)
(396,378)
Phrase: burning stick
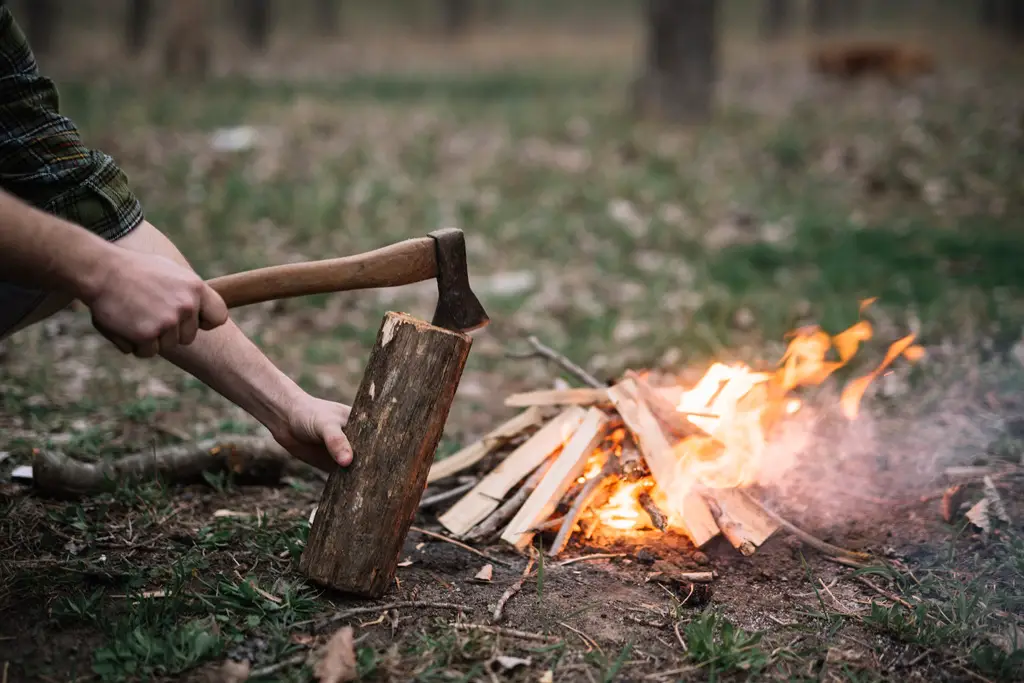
(674,422)
(487,495)
(692,512)
(744,525)
(817,544)
(567,467)
(658,518)
(583,500)
(542,351)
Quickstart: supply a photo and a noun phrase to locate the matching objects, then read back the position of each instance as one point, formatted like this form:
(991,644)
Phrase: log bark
(682,61)
(396,422)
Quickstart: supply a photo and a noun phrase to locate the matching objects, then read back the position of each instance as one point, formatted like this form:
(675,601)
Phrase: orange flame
(736,407)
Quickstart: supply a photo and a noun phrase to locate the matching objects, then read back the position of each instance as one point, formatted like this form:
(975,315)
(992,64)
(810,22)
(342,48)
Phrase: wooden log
(485,497)
(743,524)
(567,467)
(397,418)
(558,397)
(690,512)
(476,451)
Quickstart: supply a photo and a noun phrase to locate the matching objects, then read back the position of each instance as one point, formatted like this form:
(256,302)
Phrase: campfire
(649,453)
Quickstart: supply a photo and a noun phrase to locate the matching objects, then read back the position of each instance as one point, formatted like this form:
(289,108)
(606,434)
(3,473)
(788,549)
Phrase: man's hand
(313,433)
(147,304)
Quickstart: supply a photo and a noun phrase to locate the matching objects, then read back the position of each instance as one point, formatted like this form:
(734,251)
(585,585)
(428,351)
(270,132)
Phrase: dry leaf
(231,513)
(1009,639)
(405,563)
(508,663)
(978,515)
(339,660)
(486,573)
(547,677)
(234,672)
(995,501)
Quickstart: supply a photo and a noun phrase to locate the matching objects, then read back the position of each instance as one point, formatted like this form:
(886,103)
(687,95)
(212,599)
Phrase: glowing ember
(736,407)
(622,511)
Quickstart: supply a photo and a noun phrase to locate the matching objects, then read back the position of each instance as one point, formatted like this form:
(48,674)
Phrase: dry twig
(459,544)
(585,558)
(510,632)
(512,590)
(371,609)
(431,501)
(543,351)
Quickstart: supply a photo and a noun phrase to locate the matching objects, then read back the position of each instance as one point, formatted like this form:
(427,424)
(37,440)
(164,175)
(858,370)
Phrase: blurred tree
(825,15)
(1003,16)
(41,20)
(328,16)
(681,68)
(256,22)
(187,46)
(456,16)
(776,16)
(138,23)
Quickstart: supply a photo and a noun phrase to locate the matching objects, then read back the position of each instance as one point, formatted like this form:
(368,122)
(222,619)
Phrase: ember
(644,457)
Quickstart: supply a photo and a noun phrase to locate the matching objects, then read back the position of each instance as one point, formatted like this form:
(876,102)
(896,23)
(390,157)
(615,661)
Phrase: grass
(641,247)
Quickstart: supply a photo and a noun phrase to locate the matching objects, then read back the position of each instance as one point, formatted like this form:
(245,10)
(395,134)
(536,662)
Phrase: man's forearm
(45,252)
(223,358)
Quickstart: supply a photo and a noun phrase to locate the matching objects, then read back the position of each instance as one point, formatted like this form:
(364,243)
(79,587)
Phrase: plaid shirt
(42,158)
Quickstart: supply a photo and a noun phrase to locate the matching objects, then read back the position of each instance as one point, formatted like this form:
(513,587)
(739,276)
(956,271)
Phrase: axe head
(457,306)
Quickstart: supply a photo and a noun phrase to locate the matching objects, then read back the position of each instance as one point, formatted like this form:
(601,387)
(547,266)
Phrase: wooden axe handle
(413,260)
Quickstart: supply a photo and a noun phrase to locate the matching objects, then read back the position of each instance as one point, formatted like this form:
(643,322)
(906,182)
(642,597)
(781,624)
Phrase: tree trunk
(41,20)
(1015,20)
(775,18)
(394,427)
(456,16)
(137,25)
(992,13)
(328,17)
(256,22)
(825,16)
(187,49)
(682,61)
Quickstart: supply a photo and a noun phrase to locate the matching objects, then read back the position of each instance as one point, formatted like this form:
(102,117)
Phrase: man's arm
(142,303)
(228,362)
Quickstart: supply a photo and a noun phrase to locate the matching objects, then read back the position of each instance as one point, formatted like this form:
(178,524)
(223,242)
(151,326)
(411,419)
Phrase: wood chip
(486,573)
(338,663)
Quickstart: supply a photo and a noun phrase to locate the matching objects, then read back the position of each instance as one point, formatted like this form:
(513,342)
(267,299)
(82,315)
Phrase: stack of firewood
(567,452)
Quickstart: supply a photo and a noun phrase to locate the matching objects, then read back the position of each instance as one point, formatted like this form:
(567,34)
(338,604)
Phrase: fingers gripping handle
(404,263)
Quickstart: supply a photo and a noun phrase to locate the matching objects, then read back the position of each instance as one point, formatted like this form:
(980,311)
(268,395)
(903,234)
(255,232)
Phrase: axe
(441,254)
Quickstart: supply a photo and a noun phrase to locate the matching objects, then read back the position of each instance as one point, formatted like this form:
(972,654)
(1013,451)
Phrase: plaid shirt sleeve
(42,158)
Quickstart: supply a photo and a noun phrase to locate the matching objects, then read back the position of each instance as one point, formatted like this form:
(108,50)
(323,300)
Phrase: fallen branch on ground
(371,609)
(816,543)
(509,632)
(251,459)
(459,544)
(511,591)
(542,351)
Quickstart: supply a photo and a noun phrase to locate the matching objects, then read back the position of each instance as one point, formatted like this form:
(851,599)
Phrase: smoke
(821,470)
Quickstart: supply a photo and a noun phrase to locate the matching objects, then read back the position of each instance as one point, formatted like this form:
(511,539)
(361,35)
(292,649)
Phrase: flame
(737,407)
